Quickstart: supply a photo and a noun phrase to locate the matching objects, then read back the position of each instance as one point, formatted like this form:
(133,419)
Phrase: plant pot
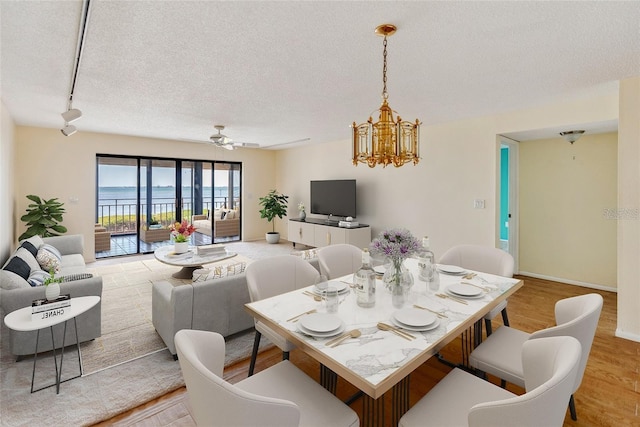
(53,291)
(272,237)
(181,247)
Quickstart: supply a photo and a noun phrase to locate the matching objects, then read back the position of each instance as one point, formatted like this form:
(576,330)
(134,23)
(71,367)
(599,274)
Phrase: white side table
(20,320)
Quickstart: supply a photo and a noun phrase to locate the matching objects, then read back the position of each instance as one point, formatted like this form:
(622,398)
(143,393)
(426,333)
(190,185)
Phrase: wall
(629,207)
(567,194)
(7,144)
(51,165)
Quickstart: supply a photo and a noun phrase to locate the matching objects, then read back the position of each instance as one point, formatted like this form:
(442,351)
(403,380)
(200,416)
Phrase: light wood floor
(609,394)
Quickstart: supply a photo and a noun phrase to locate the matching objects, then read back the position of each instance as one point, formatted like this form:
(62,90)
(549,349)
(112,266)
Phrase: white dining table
(379,360)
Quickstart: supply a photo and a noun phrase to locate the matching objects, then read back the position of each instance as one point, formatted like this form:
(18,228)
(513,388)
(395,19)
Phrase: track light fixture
(68,130)
(71,115)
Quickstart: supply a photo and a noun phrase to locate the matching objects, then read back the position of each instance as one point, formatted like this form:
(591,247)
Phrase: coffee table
(20,320)
(189,261)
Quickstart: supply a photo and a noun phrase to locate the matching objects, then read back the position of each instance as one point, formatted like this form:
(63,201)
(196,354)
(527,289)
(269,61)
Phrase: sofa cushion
(10,280)
(26,256)
(72,261)
(19,267)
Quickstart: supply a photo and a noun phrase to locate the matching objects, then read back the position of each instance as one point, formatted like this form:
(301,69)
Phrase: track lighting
(71,115)
(68,130)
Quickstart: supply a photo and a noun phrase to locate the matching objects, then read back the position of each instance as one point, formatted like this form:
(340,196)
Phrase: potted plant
(52,285)
(181,232)
(43,218)
(274,204)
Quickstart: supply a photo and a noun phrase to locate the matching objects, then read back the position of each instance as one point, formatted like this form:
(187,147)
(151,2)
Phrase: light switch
(478,204)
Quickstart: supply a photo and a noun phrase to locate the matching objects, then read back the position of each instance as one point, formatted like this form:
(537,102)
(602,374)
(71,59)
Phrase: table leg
(328,379)
(185,272)
(400,398)
(372,411)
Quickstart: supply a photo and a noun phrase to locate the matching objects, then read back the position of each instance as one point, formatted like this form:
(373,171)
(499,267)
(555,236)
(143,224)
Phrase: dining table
(376,360)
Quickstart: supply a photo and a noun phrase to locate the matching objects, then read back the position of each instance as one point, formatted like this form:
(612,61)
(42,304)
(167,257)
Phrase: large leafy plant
(273,204)
(43,218)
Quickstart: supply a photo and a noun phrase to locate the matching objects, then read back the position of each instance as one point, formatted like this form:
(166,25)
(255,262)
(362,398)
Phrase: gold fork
(461,301)
(296,318)
(437,313)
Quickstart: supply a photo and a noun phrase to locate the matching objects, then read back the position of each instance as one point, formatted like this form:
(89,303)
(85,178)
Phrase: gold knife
(461,301)
(395,330)
(437,313)
(294,318)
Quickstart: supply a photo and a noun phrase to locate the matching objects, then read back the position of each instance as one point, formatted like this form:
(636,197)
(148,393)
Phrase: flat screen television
(334,197)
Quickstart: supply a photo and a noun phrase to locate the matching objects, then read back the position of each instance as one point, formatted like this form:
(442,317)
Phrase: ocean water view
(161,194)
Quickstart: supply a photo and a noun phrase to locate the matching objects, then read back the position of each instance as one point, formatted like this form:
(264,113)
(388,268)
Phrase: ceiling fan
(223,141)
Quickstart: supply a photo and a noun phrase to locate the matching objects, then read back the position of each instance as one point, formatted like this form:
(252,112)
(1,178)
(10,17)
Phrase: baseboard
(569,281)
(627,335)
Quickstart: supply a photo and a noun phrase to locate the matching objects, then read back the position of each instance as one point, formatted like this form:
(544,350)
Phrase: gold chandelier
(386,141)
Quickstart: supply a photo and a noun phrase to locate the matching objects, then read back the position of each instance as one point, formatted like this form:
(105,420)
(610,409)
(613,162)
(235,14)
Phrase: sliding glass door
(138,199)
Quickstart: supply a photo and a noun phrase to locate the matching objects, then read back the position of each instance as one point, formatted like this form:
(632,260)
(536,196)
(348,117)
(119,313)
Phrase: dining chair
(281,395)
(274,276)
(485,259)
(339,260)
(576,316)
(461,399)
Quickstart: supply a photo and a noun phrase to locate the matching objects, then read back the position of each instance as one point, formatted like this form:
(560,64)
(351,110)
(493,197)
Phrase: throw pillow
(223,214)
(35,241)
(37,277)
(10,280)
(218,272)
(18,266)
(308,254)
(48,260)
(77,276)
(26,256)
(30,247)
(231,215)
(52,249)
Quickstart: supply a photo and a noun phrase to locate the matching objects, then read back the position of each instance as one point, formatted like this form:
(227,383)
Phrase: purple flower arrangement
(396,244)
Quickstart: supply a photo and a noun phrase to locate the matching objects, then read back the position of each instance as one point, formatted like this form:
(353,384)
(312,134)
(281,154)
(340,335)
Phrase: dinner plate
(414,317)
(320,322)
(464,290)
(340,286)
(448,292)
(451,269)
(306,331)
(416,328)
(379,269)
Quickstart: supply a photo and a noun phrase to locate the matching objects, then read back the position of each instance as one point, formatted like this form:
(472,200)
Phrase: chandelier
(386,141)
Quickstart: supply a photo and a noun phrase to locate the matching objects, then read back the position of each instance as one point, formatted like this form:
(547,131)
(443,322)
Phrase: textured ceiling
(275,72)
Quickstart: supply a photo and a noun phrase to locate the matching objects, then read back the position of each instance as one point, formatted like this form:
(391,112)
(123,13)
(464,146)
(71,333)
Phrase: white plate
(451,269)
(448,292)
(306,331)
(341,287)
(414,317)
(416,328)
(320,322)
(464,290)
(379,269)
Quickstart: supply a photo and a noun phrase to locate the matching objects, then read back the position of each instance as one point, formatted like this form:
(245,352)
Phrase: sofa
(215,304)
(21,280)
(227,223)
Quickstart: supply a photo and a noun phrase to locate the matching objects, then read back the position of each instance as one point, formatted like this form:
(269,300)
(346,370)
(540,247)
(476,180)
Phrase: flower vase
(53,291)
(181,247)
(398,280)
(303,215)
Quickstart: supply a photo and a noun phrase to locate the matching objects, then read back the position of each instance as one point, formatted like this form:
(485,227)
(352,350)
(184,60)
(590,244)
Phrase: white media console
(318,233)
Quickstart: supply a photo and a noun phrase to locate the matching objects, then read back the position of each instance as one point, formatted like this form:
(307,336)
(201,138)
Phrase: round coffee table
(189,261)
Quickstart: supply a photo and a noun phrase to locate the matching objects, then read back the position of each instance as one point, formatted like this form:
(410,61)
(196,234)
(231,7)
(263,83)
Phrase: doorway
(508,198)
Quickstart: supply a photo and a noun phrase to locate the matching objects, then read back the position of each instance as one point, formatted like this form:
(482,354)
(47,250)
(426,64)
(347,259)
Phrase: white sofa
(16,292)
(227,223)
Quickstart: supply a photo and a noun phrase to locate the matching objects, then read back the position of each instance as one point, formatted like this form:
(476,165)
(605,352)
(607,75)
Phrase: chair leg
(487,324)
(572,409)
(503,383)
(285,355)
(254,353)
(505,318)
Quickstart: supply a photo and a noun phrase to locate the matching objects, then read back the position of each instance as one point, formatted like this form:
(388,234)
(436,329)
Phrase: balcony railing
(119,215)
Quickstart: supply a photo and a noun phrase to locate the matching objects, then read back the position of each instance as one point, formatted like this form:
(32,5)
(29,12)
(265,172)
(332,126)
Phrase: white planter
(181,247)
(272,237)
(53,291)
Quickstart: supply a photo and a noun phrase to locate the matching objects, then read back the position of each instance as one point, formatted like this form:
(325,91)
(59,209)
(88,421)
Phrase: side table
(20,320)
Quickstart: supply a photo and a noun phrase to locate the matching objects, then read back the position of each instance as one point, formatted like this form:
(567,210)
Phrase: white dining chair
(274,276)
(461,399)
(575,316)
(339,260)
(281,395)
(485,259)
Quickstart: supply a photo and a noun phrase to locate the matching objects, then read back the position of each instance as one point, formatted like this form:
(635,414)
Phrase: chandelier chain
(385,95)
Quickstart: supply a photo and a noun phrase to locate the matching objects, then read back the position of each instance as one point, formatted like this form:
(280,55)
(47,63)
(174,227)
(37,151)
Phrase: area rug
(124,368)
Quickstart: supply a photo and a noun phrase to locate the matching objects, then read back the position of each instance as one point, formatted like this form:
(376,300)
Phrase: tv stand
(320,232)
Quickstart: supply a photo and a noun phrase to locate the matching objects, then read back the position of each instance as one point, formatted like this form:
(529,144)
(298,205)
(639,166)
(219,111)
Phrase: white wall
(7,144)
(49,165)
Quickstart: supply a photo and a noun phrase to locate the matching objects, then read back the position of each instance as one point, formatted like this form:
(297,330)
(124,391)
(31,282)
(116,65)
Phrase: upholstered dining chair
(575,316)
(460,398)
(274,276)
(339,259)
(485,259)
(281,395)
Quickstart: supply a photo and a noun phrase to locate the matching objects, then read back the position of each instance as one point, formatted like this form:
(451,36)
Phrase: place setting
(320,325)
(451,270)
(461,292)
(415,319)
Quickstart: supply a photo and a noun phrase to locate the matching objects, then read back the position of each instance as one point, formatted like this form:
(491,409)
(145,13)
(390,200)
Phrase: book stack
(210,250)
(44,309)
